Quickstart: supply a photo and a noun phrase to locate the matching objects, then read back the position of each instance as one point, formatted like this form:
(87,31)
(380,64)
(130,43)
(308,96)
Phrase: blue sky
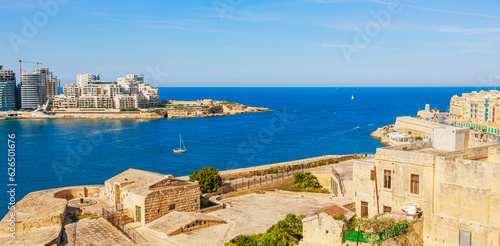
(259,43)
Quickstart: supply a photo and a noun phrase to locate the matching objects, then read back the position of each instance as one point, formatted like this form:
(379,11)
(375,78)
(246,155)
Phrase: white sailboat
(181,148)
(352,97)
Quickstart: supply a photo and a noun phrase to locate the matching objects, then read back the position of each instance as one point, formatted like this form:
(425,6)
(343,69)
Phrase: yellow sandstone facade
(456,188)
(477,110)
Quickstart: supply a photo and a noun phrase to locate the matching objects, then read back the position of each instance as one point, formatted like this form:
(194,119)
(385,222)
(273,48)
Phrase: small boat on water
(182,148)
(141,120)
(370,124)
(352,97)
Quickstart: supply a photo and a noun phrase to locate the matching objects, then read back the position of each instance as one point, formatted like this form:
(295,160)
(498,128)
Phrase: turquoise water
(303,123)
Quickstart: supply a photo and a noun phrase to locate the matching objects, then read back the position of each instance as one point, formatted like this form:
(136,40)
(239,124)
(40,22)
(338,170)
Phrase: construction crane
(20,67)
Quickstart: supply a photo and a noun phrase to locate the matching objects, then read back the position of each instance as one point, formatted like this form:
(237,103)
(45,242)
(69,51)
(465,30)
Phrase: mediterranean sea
(302,123)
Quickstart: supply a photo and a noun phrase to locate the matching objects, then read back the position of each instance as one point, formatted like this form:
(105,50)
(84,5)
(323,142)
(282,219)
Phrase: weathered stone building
(149,195)
(457,188)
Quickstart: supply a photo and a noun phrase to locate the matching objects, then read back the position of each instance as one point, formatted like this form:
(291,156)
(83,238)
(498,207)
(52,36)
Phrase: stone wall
(321,229)
(196,225)
(287,181)
(471,153)
(467,197)
(364,187)
(417,127)
(185,198)
(401,162)
(78,192)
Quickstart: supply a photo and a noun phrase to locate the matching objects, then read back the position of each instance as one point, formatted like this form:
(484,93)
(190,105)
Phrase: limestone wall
(364,187)
(401,164)
(186,198)
(45,208)
(415,127)
(467,197)
(78,192)
(322,229)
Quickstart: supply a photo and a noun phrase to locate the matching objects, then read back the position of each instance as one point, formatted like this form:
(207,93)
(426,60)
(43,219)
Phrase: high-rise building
(32,91)
(84,79)
(7,89)
(50,83)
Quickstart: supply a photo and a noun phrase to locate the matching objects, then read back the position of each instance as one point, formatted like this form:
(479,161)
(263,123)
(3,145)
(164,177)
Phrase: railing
(374,238)
(116,222)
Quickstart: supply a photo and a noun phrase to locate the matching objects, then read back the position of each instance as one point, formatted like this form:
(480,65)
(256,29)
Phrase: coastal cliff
(382,134)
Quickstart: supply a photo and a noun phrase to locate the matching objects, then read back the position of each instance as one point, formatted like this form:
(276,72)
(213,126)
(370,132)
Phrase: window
(364,209)
(414,184)
(387,179)
(373,176)
(387,209)
(171,207)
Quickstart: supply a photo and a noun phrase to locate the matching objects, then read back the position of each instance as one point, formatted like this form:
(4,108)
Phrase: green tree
(245,240)
(305,180)
(208,179)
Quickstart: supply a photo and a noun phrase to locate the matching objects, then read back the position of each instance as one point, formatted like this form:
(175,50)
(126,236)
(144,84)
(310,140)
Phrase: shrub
(305,180)
(297,189)
(129,109)
(244,240)
(286,232)
(350,224)
(208,179)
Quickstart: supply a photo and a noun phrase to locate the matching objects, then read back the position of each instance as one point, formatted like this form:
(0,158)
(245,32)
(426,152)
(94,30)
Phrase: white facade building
(84,79)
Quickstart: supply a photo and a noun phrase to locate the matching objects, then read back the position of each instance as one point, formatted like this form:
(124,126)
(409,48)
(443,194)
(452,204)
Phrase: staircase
(127,216)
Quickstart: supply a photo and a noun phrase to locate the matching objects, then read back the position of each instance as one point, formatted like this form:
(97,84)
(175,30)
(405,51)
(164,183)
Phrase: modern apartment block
(71,90)
(50,83)
(128,92)
(36,88)
(455,188)
(84,79)
(8,92)
(31,91)
(477,110)
(100,101)
(62,101)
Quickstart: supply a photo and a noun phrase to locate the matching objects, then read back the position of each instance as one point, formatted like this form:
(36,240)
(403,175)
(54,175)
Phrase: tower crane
(20,67)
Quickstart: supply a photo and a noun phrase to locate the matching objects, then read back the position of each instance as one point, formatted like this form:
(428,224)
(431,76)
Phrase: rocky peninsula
(170,109)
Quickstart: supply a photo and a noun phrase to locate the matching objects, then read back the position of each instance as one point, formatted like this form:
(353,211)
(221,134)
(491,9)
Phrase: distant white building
(125,93)
(84,79)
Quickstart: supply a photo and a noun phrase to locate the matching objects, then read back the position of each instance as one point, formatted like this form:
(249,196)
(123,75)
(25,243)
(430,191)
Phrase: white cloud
(483,30)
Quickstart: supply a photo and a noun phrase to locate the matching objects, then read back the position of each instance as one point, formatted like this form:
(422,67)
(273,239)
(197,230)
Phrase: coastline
(144,114)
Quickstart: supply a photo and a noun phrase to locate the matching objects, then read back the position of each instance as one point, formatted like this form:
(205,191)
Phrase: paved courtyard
(248,214)
(93,232)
